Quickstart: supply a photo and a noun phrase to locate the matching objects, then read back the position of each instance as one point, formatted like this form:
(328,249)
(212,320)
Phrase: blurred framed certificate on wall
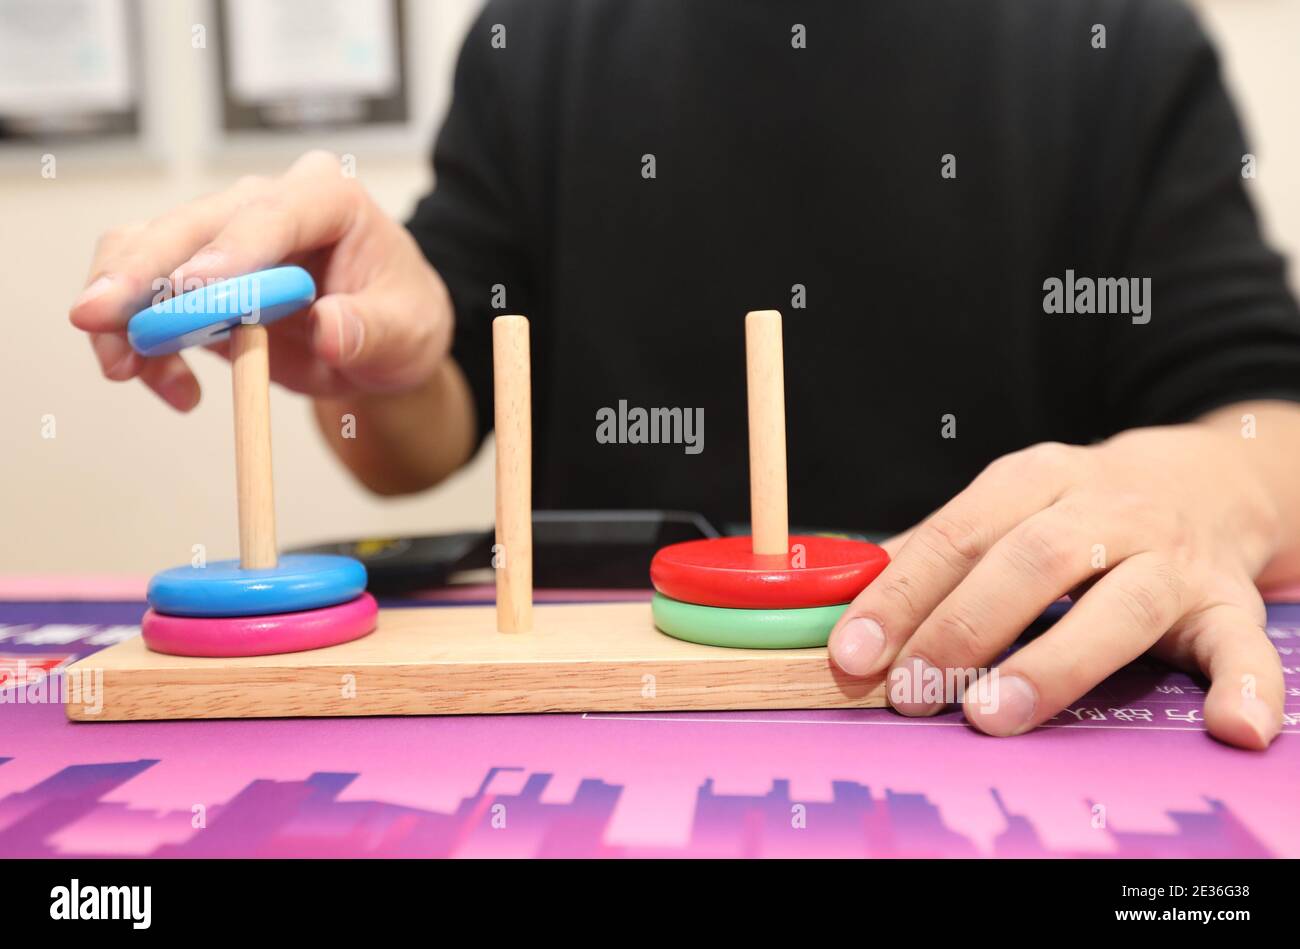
(297,65)
(68,70)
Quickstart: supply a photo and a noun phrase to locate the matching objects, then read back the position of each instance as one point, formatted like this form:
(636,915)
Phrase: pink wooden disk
(229,636)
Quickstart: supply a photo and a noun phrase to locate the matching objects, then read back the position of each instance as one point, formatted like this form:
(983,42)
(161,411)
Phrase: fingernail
(98,287)
(115,356)
(916,687)
(1261,718)
(351,334)
(857,645)
(1009,709)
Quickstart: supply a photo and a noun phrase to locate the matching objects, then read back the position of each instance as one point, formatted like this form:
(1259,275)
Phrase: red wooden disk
(725,572)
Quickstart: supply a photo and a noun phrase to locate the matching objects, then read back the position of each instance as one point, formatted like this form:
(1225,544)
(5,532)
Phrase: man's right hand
(382,322)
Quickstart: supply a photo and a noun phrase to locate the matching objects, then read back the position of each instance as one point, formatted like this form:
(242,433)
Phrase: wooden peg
(766,382)
(250,361)
(512,388)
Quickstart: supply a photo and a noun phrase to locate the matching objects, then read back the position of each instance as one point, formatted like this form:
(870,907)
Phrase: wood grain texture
(451,661)
(765,376)
(512,394)
(255,488)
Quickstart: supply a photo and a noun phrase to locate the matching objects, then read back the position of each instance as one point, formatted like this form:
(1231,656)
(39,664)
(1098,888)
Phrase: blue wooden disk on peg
(208,314)
(298,582)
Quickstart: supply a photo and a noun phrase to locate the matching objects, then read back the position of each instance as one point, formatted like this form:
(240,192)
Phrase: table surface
(1126,771)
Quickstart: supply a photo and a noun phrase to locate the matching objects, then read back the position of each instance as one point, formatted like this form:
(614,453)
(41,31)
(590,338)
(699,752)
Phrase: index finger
(941,551)
(130,262)
(312,206)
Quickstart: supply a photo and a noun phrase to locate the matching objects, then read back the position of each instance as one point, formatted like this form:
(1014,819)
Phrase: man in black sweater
(1027,308)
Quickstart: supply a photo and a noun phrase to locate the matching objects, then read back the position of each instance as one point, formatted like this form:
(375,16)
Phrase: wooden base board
(452,661)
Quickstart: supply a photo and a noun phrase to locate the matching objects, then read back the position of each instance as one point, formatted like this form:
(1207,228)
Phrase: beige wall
(1260,44)
(128,486)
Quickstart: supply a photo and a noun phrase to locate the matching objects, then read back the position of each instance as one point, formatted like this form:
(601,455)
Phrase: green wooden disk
(745,629)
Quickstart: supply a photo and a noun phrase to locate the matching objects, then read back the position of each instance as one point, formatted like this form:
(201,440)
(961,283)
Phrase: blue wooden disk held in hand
(207,314)
(298,582)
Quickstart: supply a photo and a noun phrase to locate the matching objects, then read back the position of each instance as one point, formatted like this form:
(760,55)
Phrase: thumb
(376,343)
